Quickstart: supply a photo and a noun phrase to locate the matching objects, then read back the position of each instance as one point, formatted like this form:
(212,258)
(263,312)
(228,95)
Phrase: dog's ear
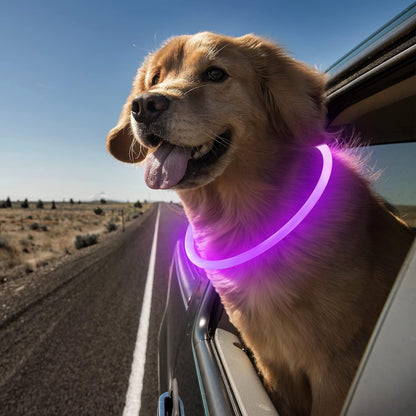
(293,92)
(120,140)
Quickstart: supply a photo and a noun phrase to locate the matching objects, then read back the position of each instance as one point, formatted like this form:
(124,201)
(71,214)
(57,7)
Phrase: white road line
(134,391)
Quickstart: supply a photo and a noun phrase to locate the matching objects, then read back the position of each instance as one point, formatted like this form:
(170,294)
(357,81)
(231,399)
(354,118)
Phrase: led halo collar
(277,236)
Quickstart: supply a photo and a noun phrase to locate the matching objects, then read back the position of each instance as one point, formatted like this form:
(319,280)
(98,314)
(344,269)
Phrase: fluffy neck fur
(248,203)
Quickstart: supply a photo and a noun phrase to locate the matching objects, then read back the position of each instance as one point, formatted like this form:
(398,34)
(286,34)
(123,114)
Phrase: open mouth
(209,153)
(170,165)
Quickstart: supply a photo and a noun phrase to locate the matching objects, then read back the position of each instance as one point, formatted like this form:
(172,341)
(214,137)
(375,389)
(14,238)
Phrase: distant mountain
(98,196)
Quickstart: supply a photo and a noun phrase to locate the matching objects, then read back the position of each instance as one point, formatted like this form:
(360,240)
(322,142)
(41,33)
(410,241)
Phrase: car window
(394,169)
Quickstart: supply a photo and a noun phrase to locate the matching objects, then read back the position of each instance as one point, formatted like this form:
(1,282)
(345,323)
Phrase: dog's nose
(147,107)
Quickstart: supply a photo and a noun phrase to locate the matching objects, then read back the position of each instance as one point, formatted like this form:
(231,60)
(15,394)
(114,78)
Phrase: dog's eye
(155,79)
(215,75)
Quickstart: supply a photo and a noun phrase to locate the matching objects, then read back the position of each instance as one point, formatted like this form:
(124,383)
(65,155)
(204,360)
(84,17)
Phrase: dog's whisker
(192,89)
(142,152)
(132,153)
(221,140)
(217,51)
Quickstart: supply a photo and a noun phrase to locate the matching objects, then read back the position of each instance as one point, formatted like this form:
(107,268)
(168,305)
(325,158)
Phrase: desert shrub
(4,243)
(103,201)
(25,204)
(138,204)
(6,204)
(34,226)
(82,241)
(39,204)
(111,226)
(9,256)
(98,211)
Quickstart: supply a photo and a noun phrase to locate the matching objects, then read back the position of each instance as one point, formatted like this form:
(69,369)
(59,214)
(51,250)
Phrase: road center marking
(134,391)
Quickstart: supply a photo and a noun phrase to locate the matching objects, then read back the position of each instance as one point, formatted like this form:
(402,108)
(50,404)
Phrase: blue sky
(66,68)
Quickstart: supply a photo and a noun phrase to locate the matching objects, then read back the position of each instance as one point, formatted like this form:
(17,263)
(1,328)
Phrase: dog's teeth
(202,151)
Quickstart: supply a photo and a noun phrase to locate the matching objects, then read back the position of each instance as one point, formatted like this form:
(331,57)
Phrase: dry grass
(32,237)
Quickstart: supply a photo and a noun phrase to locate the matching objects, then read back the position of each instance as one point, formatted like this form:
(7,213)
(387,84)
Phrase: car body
(203,368)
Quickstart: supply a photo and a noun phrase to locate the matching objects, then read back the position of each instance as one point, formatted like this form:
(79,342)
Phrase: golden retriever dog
(232,125)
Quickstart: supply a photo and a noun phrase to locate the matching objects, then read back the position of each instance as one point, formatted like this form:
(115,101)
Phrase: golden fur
(307,307)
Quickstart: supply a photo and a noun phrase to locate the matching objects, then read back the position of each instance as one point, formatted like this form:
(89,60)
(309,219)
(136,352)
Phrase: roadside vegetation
(33,233)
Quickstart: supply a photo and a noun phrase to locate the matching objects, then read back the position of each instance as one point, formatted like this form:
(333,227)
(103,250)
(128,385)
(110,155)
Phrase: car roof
(362,53)
(373,87)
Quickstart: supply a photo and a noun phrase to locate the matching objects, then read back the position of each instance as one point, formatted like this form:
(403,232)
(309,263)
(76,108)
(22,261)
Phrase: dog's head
(202,101)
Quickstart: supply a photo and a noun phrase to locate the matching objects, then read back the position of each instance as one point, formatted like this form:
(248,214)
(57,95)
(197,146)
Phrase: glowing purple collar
(277,236)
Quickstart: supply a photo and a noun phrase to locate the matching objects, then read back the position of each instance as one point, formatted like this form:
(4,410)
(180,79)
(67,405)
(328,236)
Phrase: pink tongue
(166,166)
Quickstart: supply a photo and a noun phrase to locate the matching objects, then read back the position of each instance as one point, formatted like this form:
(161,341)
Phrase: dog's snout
(147,107)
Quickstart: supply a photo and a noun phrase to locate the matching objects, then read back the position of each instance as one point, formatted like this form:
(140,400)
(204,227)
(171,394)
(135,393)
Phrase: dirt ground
(33,238)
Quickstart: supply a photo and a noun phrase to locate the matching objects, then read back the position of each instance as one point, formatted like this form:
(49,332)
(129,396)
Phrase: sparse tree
(103,201)
(71,201)
(98,211)
(82,241)
(138,204)
(34,226)
(8,203)
(25,204)
(39,204)
(53,206)
(111,226)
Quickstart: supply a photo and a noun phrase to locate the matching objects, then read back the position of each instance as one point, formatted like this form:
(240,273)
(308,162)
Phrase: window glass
(396,182)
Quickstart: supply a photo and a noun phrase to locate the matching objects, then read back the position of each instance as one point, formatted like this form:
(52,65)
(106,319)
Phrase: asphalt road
(69,351)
